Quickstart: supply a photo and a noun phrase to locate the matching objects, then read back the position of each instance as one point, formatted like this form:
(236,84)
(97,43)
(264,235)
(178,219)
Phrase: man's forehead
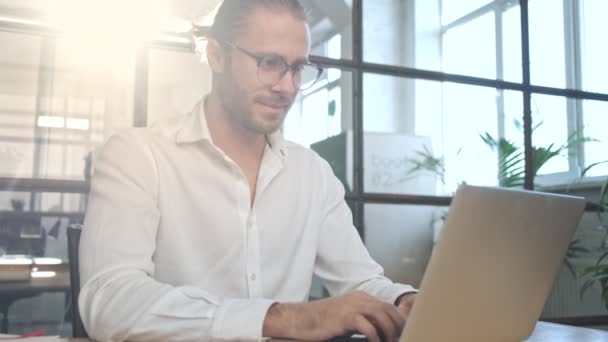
(276,31)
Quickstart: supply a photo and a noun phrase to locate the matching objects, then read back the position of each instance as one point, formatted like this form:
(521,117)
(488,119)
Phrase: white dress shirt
(172,248)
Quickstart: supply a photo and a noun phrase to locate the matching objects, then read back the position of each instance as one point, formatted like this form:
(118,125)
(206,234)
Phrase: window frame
(572,21)
(357,66)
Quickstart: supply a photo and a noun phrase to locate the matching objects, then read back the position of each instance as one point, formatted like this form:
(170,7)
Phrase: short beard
(233,101)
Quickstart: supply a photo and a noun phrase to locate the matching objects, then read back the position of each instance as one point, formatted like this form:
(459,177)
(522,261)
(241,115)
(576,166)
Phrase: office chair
(74,231)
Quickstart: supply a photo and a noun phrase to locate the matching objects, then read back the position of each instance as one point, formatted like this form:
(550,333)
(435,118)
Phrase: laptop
(493,266)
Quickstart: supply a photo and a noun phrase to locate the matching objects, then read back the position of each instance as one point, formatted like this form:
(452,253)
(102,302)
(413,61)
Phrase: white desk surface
(544,332)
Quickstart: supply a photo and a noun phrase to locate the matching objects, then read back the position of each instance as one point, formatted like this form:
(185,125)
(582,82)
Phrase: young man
(210,226)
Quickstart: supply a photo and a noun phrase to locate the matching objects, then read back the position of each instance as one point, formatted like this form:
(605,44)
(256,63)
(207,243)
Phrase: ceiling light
(47,121)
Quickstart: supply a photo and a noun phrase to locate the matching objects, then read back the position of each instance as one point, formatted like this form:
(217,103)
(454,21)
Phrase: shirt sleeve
(343,263)
(120,299)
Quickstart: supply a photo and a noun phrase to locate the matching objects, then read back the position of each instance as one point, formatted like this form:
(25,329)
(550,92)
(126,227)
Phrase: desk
(544,332)
(551,332)
(13,291)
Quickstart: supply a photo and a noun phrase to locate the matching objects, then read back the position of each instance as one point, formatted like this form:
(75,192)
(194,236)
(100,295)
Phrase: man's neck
(231,137)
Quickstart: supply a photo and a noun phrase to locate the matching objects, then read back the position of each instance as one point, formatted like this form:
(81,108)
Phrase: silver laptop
(493,266)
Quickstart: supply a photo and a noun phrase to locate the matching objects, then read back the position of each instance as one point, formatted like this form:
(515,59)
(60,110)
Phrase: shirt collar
(277,144)
(194,128)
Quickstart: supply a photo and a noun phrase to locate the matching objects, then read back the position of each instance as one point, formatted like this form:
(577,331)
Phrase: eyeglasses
(272,69)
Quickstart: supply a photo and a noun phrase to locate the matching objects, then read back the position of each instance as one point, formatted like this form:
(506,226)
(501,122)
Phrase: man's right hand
(356,312)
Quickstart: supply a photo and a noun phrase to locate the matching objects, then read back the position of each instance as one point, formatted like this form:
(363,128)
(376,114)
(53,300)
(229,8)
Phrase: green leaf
(604,292)
(542,155)
(584,289)
(331,108)
(570,267)
(595,270)
(489,140)
(426,161)
(506,147)
(604,196)
(511,161)
(577,250)
(599,261)
(598,278)
(592,281)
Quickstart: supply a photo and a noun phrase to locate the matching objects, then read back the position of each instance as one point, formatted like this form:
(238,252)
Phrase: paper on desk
(32,339)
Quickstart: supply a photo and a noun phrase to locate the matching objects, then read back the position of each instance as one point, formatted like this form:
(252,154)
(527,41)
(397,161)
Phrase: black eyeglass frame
(294,68)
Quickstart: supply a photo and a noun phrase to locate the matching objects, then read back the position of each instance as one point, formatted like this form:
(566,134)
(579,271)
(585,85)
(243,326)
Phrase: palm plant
(598,273)
(426,161)
(511,171)
(511,158)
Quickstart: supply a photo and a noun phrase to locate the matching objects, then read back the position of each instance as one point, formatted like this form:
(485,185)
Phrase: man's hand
(405,303)
(356,312)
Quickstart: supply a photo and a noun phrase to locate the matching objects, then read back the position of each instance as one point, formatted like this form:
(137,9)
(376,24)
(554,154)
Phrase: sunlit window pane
(551,131)
(593,44)
(470,48)
(511,48)
(595,115)
(331,27)
(395,33)
(547,55)
(454,9)
(423,137)
(321,118)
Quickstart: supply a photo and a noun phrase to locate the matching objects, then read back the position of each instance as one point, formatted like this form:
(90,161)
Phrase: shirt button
(252,277)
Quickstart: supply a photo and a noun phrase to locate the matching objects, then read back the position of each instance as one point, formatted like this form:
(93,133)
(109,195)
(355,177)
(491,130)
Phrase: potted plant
(598,273)
(511,171)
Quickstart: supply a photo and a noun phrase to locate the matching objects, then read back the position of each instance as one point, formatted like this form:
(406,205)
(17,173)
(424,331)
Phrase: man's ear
(215,56)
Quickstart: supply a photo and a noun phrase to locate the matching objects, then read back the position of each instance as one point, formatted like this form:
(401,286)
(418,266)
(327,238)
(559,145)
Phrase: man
(210,226)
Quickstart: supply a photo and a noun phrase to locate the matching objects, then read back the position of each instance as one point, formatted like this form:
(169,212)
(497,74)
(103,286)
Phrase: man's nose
(286,84)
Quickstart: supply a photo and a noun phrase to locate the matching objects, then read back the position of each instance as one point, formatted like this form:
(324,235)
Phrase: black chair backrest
(74,231)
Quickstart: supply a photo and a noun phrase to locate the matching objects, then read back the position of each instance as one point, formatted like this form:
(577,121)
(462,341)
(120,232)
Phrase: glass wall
(414,101)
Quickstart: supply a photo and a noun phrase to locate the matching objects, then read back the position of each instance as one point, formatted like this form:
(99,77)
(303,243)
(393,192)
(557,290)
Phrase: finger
(396,315)
(383,322)
(405,309)
(365,327)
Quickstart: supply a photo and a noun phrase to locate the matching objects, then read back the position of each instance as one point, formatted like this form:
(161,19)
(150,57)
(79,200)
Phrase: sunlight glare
(107,32)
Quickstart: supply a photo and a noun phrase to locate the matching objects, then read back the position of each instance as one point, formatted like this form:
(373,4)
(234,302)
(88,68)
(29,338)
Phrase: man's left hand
(405,303)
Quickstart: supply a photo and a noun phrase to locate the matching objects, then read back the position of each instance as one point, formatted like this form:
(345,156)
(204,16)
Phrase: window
(595,120)
(401,237)
(330,21)
(402,32)
(410,91)
(56,107)
(176,81)
(594,53)
(321,118)
(317,113)
(470,48)
(455,9)
(547,43)
(562,49)
(425,142)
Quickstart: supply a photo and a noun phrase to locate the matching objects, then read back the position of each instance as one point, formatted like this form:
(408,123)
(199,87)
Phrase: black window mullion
(358,178)
(525,54)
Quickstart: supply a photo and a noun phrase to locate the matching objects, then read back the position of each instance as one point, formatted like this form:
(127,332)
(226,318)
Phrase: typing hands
(355,312)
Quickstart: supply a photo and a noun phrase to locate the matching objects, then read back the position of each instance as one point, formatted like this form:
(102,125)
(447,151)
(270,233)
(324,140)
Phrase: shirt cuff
(396,291)
(240,319)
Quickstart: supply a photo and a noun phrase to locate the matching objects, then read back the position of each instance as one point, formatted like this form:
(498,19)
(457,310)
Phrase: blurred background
(418,97)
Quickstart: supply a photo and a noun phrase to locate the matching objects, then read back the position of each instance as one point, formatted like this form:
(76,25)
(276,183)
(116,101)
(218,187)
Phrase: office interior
(417,98)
